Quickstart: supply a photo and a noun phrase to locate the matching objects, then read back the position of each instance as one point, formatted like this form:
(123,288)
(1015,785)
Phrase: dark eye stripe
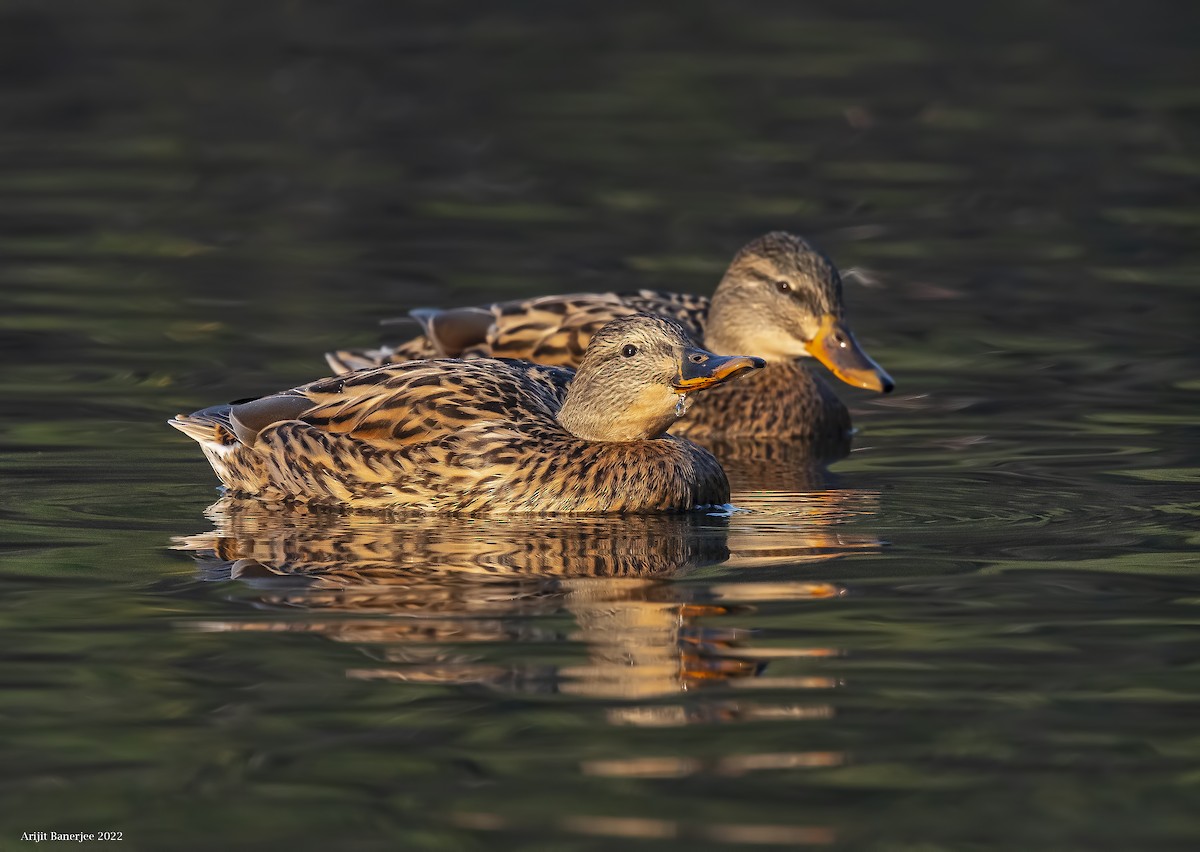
(761,277)
(810,300)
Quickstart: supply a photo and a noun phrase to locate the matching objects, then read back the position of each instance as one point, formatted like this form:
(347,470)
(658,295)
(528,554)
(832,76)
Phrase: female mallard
(781,299)
(484,435)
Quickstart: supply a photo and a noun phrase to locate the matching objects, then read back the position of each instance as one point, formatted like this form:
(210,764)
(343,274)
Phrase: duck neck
(726,318)
(603,414)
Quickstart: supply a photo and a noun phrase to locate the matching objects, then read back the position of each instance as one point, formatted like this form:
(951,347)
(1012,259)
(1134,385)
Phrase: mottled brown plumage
(483,435)
(780,299)
(785,400)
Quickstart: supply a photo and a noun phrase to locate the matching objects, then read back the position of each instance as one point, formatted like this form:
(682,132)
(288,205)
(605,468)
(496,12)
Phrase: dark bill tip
(702,369)
(835,347)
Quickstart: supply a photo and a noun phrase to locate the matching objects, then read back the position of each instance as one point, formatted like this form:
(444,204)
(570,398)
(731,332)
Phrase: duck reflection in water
(439,600)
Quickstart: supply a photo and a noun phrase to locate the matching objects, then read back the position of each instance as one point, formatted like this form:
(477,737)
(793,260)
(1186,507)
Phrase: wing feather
(551,330)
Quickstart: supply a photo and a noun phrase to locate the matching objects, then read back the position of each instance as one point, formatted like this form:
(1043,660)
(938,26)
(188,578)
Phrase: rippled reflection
(430,598)
(791,467)
(797,511)
(645,828)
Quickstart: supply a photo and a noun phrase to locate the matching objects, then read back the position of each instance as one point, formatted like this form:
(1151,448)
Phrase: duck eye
(783,286)
(629,351)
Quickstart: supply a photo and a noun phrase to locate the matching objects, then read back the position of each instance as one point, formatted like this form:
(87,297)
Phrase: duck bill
(700,369)
(835,347)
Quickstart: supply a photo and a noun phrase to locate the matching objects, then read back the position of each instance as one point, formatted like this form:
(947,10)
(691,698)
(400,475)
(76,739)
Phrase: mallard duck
(484,435)
(781,299)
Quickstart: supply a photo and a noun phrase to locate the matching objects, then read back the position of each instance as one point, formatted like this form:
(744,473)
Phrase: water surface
(978,631)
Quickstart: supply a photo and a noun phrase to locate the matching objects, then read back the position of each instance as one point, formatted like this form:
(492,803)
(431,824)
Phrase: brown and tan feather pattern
(482,435)
(782,401)
(551,330)
(781,298)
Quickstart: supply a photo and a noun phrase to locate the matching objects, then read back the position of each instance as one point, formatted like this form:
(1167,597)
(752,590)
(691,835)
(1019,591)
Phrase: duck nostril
(697,359)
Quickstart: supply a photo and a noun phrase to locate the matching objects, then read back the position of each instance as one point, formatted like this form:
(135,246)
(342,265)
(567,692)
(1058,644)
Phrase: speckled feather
(786,401)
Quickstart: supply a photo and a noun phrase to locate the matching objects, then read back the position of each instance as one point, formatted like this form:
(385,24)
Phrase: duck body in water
(780,299)
(484,435)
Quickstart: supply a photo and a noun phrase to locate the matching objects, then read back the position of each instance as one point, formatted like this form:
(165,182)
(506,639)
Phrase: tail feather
(456,333)
(207,426)
(349,360)
(452,332)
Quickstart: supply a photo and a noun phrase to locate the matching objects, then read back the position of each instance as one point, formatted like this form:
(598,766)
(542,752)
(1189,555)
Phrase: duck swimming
(781,299)
(484,435)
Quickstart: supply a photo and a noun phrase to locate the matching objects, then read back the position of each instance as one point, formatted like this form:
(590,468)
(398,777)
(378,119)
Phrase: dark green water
(979,631)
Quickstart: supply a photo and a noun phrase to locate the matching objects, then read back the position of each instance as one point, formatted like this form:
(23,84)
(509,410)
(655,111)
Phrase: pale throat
(736,328)
(648,414)
(766,343)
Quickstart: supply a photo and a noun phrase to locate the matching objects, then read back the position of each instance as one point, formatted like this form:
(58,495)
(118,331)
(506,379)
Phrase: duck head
(782,299)
(633,374)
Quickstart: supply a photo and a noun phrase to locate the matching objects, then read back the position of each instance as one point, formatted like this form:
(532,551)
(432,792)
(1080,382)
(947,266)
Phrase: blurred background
(975,632)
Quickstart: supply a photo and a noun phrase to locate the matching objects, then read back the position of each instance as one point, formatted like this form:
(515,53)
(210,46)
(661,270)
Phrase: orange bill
(835,347)
(702,369)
